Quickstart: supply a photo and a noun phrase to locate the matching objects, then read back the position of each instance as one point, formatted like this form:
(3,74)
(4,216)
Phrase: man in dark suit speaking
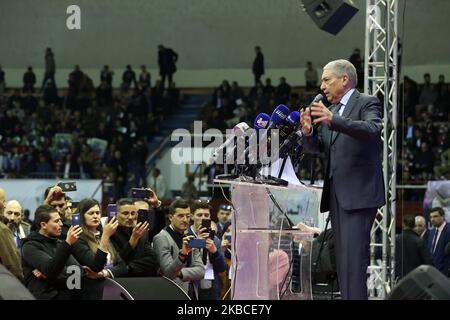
(349,133)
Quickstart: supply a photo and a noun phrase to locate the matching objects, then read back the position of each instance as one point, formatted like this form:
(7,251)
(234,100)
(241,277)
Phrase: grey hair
(343,67)
(420,219)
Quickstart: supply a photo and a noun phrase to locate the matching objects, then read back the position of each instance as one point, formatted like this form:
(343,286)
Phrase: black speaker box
(423,283)
(330,15)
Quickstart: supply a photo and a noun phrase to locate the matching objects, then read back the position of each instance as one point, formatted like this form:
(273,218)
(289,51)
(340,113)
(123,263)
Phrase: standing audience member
(14,213)
(95,251)
(46,258)
(438,239)
(258,65)
(212,255)
(411,250)
(132,241)
(166,62)
(9,256)
(177,260)
(311,77)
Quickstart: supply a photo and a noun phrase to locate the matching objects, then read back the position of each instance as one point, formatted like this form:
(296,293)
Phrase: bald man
(2,200)
(14,213)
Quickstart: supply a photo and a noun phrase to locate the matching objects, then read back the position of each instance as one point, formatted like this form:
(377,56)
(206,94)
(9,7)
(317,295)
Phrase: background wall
(214,38)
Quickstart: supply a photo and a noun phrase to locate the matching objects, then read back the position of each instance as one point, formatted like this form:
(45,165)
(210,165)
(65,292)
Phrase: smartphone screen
(142,216)
(112,210)
(76,219)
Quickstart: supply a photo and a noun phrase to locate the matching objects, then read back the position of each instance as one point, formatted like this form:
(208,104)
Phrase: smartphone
(112,210)
(206,223)
(68,186)
(139,193)
(142,216)
(76,219)
(197,243)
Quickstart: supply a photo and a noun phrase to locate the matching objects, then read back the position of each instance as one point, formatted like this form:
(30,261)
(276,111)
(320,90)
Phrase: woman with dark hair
(95,251)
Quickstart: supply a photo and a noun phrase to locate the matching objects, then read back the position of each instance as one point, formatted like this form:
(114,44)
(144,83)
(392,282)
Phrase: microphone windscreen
(261,121)
(279,115)
(293,118)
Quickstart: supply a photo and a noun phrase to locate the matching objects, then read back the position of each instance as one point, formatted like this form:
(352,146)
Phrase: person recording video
(212,254)
(178,261)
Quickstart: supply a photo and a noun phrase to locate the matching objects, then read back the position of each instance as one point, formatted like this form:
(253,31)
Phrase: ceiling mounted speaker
(330,15)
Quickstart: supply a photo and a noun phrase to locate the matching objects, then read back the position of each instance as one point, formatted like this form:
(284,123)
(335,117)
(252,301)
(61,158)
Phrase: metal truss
(380,79)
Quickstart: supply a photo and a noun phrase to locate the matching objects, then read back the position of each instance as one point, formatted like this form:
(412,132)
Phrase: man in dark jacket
(166,62)
(132,242)
(411,251)
(258,65)
(45,258)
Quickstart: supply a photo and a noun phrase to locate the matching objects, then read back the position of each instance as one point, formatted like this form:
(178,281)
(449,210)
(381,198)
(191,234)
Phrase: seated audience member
(45,258)
(131,241)
(95,251)
(212,255)
(177,260)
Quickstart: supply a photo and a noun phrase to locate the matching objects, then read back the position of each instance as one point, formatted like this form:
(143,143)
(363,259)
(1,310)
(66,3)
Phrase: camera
(68,186)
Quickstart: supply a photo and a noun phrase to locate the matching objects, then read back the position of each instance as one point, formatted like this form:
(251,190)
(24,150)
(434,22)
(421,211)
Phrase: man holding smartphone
(212,255)
(56,197)
(132,242)
(177,260)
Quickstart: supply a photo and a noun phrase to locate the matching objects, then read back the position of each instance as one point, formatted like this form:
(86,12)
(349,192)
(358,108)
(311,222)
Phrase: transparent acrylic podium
(271,260)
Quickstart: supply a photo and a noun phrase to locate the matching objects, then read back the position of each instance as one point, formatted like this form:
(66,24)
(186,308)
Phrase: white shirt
(439,231)
(345,99)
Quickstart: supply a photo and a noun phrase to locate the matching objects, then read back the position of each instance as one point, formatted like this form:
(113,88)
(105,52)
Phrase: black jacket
(93,288)
(411,252)
(258,64)
(50,256)
(142,260)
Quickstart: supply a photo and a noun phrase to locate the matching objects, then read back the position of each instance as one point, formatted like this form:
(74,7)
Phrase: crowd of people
(44,253)
(86,132)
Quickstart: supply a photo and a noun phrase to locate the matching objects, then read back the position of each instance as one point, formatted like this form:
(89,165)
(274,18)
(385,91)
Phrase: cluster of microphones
(281,132)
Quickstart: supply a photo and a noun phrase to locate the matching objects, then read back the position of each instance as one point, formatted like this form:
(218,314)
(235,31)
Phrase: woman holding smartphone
(95,251)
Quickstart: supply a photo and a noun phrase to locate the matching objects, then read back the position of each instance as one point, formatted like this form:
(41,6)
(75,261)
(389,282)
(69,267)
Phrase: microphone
(261,121)
(238,129)
(290,125)
(277,118)
(317,98)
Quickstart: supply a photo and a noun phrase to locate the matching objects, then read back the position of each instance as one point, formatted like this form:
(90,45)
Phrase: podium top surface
(270,186)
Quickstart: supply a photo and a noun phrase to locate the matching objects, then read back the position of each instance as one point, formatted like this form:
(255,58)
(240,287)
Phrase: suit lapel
(347,110)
